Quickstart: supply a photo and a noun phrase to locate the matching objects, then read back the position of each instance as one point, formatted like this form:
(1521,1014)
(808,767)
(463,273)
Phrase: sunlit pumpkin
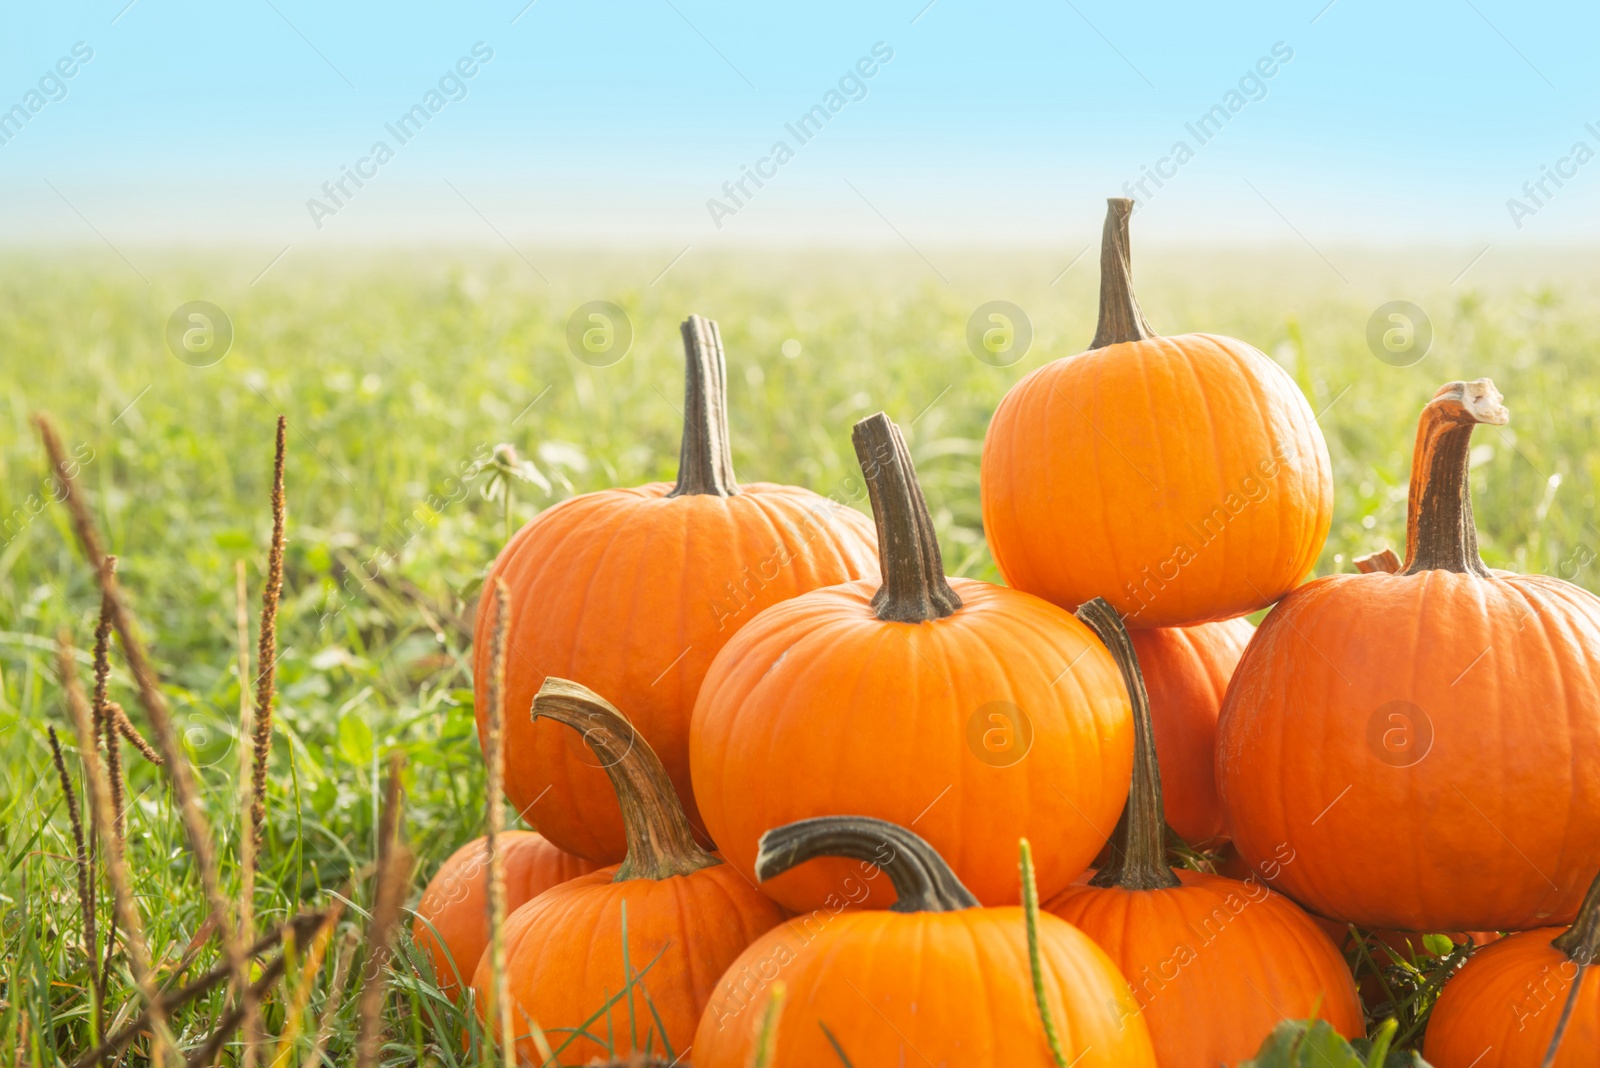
(1184,478)
(1214,963)
(632,592)
(975,713)
(1505,1005)
(935,979)
(1186,671)
(686,915)
(452,920)
(1445,718)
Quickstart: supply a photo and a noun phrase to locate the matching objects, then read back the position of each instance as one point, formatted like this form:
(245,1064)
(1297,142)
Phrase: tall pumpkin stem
(705,460)
(660,841)
(914,588)
(1440,535)
(921,878)
(1139,846)
(1581,941)
(1120,317)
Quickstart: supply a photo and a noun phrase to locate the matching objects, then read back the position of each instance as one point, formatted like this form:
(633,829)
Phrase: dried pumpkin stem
(1120,317)
(1581,941)
(660,841)
(1139,846)
(705,460)
(914,588)
(921,878)
(1440,535)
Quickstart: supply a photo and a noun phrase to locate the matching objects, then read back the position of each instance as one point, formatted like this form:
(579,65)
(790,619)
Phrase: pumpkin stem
(660,841)
(1120,317)
(1139,846)
(921,878)
(705,460)
(1383,560)
(914,588)
(1440,535)
(1581,941)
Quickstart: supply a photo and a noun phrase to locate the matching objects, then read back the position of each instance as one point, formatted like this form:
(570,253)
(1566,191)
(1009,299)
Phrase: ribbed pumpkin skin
(1494,828)
(1183,479)
(631,593)
(456,902)
(952,986)
(1507,1000)
(1186,670)
(819,708)
(1215,964)
(564,955)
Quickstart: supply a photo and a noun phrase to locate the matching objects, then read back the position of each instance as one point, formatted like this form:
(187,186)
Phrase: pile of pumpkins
(768,745)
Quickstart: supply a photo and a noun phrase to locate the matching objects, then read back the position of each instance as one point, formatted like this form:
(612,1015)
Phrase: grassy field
(396,372)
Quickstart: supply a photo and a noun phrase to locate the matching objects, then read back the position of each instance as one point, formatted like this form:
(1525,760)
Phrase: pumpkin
(975,713)
(934,979)
(1182,478)
(1444,717)
(1504,1007)
(1186,672)
(1215,963)
(669,919)
(632,592)
(452,920)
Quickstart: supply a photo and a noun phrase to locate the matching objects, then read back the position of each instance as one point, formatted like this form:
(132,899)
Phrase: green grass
(397,372)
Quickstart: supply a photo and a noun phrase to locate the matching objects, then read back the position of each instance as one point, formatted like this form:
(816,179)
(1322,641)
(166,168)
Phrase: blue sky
(616,123)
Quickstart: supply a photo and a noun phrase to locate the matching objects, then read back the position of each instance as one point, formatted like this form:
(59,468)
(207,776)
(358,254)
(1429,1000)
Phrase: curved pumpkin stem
(1139,846)
(1120,317)
(1383,560)
(660,841)
(914,588)
(921,878)
(705,460)
(1440,535)
(1581,941)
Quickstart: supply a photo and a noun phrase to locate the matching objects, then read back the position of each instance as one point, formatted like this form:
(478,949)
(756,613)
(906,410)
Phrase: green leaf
(355,740)
(1437,944)
(1315,1044)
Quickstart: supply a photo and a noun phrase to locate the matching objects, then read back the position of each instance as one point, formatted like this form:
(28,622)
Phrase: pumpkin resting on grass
(632,592)
(977,713)
(1184,479)
(452,920)
(1186,671)
(935,973)
(685,913)
(1215,963)
(1445,718)
(1502,1009)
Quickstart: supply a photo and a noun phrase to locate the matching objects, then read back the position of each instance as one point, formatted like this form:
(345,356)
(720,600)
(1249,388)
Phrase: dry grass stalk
(330,1010)
(91,941)
(305,925)
(106,723)
(393,876)
(155,704)
(111,847)
(499,1006)
(247,857)
(294,1013)
(267,649)
(119,718)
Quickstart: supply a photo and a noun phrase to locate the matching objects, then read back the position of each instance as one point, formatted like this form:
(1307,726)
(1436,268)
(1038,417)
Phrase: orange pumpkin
(1215,963)
(632,592)
(1186,672)
(975,713)
(1182,478)
(671,913)
(1445,718)
(935,979)
(1506,1004)
(452,920)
